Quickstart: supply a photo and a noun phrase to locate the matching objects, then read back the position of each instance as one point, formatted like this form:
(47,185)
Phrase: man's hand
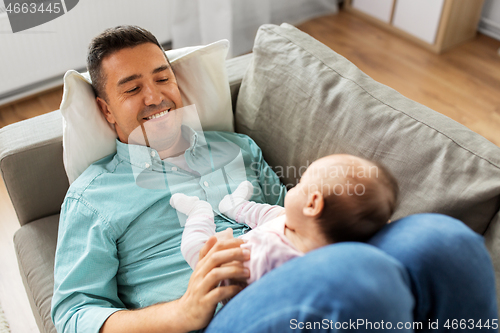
(220,258)
(200,300)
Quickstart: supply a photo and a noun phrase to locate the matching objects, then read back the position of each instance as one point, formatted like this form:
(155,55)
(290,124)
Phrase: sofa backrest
(299,101)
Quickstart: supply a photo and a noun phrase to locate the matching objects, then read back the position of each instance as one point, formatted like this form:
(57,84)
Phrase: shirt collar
(148,158)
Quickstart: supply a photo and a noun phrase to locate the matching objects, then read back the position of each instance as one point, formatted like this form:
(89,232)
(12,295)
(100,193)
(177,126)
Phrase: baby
(339,198)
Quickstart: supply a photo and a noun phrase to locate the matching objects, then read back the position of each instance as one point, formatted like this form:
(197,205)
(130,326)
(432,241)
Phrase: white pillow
(202,78)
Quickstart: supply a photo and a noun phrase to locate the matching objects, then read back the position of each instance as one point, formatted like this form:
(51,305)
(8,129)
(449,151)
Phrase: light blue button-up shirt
(119,238)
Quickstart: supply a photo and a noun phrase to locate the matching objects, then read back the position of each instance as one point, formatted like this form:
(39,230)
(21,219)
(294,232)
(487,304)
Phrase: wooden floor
(31,107)
(463,83)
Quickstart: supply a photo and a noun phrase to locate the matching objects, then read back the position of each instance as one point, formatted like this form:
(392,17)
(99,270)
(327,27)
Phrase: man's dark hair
(359,217)
(108,42)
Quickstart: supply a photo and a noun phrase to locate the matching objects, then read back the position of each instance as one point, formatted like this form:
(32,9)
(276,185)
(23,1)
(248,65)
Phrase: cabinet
(434,24)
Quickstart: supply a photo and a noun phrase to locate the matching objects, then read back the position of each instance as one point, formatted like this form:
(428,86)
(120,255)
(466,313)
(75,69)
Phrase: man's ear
(314,205)
(104,107)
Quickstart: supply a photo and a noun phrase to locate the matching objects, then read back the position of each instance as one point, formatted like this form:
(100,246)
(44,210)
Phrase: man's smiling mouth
(158,115)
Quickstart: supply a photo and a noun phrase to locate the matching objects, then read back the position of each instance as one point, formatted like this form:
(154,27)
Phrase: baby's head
(341,198)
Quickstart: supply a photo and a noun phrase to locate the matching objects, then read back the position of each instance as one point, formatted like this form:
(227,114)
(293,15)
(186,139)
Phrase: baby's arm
(237,207)
(199,225)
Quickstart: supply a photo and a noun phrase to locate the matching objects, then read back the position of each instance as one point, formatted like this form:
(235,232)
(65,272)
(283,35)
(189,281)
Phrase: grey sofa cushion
(35,245)
(299,100)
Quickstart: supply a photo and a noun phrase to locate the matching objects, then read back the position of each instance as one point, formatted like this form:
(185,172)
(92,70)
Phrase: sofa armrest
(32,166)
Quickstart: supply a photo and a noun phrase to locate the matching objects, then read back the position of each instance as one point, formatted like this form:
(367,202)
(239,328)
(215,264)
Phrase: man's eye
(163,80)
(131,90)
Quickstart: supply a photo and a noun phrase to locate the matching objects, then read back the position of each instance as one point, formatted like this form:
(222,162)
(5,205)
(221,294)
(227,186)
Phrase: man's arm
(86,262)
(195,308)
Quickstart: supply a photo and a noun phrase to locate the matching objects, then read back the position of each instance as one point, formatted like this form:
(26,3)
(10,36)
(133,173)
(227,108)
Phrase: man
(119,242)
(118,264)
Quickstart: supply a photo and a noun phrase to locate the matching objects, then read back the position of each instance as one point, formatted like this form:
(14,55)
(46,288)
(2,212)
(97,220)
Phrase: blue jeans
(423,272)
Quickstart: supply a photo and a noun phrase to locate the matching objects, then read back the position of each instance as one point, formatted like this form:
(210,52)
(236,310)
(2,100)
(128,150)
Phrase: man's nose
(152,95)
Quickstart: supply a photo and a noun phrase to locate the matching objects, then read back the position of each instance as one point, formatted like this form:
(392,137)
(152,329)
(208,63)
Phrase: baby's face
(297,198)
(295,201)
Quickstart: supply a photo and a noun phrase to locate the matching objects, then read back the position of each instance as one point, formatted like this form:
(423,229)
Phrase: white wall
(490,19)
(419,18)
(381,9)
(46,52)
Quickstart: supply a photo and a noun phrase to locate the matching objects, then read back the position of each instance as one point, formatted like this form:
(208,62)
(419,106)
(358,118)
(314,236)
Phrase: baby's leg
(199,226)
(237,207)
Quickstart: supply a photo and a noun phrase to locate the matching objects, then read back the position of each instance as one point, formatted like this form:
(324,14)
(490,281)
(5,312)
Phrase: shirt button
(147,165)
(205,183)
(152,154)
(174,169)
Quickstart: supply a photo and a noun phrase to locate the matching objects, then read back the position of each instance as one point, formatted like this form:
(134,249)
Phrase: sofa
(298,100)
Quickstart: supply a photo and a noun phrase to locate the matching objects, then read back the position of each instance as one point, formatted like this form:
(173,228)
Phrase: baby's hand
(183,203)
(231,202)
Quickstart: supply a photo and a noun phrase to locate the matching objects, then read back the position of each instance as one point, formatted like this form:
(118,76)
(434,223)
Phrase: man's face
(141,88)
